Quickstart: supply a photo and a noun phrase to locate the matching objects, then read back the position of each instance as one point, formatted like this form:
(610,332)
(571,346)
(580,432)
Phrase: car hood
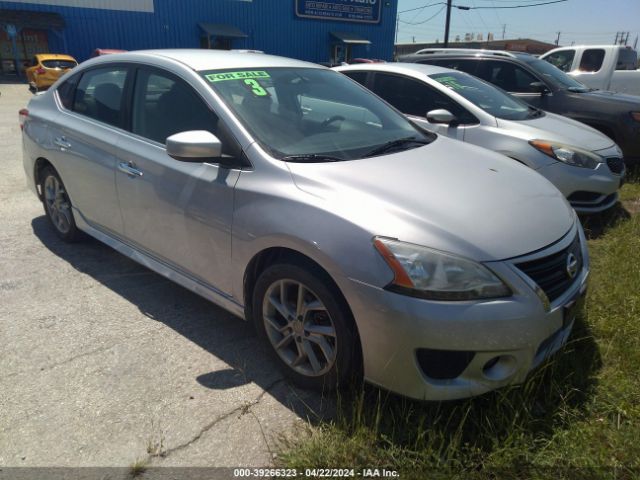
(609,97)
(559,129)
(446,195)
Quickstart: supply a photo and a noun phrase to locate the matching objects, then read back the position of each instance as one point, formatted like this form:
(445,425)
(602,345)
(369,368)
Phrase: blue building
(319,31)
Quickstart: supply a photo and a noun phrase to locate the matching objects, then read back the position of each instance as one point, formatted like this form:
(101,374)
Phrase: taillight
(41,71)
(22,117)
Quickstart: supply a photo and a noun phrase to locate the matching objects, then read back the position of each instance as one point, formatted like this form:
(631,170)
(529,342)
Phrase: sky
(580,21)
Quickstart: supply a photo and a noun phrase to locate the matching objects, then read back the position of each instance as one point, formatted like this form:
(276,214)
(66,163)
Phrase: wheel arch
(278,254)
(38,167)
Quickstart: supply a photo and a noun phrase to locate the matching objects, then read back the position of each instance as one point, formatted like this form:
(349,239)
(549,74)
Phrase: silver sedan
(585,165)
(291,196)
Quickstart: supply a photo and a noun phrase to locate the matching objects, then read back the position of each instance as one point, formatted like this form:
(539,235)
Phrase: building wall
(271,26)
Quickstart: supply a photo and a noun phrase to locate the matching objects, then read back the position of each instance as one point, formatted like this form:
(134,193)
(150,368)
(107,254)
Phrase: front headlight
(435,275)
(570,155)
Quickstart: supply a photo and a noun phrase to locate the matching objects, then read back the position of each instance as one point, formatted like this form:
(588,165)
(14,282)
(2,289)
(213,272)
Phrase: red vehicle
(98,52)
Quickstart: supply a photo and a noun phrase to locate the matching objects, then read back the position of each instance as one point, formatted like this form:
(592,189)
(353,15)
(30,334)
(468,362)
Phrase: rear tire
(57,206)
(303,323)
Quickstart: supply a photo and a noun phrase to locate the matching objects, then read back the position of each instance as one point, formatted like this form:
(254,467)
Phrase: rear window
(59,63)
(627,59)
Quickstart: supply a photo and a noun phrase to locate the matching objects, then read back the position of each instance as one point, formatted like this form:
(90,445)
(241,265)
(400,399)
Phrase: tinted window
(164,105)
(67,90)
(591,60)
(360,77)
(489,98)
(59,63)
(554,75)
(508,76)
(99,95)
(309,111)
(627,59)
(413,97)
(562,60)
(468,66)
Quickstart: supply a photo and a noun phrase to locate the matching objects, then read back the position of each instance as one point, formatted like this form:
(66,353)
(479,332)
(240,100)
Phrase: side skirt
(204,290)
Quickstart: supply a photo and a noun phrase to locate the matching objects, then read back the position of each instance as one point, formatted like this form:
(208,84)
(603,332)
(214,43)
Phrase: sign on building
(368,11)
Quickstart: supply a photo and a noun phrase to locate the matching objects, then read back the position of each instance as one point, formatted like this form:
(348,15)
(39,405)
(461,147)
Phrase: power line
(519,6)
(424,21)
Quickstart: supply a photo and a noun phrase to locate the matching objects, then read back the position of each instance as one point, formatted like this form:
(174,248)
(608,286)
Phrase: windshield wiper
(311,158)
(534,112)
(385,147)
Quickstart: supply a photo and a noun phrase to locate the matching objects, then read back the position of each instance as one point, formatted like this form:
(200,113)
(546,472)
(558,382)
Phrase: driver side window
(507,76)
(164,105)
(562,60)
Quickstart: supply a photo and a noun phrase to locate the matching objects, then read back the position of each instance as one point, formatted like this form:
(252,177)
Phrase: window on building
(413,97)
(591,60)
(562,59)
(164,105)
(508,76)
(99,95)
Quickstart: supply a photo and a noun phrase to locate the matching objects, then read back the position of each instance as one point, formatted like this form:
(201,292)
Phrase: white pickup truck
(605,67)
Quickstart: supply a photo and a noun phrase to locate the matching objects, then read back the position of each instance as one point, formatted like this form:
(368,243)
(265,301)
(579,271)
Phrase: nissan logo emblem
(572,265)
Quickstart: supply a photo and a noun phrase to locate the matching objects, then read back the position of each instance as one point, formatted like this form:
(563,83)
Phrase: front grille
(584,197)
(616,165)
(551,272)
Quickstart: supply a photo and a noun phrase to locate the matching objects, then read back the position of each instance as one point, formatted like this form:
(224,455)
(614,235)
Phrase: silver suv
(585,165)
(296,199)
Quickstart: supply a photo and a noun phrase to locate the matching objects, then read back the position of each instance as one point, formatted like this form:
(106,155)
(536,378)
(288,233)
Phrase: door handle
(62,142)
(129,169)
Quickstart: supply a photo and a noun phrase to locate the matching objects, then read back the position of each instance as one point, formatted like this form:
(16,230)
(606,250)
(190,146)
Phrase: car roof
(468,53)
(397,67)
(54,56)
(203,59)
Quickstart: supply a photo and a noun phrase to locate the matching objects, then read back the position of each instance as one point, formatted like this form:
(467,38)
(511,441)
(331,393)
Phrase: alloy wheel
(299,328)
(57,204)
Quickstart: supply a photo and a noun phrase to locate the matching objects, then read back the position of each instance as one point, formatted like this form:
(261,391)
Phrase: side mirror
(194,146)
(441,116)
(539,87)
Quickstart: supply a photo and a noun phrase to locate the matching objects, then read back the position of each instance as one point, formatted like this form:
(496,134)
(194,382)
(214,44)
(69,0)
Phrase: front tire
(305,325)
(57,206)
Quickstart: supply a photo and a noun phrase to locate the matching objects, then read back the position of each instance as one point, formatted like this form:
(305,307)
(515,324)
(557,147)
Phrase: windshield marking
(221,77)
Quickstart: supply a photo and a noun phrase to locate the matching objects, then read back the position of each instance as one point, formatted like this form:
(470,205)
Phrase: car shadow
(596,225)
(215,330)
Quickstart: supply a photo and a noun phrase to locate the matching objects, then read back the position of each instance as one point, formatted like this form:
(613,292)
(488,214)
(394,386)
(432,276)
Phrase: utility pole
(446,27)
(504,30)
(558,39)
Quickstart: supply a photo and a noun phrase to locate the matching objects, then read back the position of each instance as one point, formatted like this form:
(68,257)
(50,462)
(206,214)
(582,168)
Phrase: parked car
(546,87)
(584,164)
(98,52)
(603,67)
(298,200)
(47,68)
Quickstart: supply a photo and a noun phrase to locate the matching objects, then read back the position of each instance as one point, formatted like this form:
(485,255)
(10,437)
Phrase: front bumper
(588,190)
(508,337)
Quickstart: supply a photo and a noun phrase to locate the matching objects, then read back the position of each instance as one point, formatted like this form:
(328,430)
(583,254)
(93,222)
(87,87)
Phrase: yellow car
(46,68)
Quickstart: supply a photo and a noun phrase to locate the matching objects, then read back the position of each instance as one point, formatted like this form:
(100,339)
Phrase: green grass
(580,409)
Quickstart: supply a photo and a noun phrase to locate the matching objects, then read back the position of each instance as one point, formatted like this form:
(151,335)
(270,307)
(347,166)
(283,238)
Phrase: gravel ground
(105,363)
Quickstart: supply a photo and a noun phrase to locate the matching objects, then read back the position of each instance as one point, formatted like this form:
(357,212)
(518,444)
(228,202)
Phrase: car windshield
(555,75)
(308,114)
(489,98)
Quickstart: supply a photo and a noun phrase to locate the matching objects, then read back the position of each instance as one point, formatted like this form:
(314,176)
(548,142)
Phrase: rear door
(177,211)
(85,138)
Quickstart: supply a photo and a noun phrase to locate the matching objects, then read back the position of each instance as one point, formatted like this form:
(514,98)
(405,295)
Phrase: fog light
(500,367)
